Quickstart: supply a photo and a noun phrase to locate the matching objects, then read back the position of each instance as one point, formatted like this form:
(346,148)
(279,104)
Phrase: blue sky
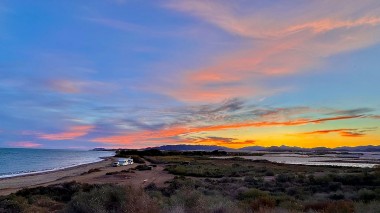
(75,74)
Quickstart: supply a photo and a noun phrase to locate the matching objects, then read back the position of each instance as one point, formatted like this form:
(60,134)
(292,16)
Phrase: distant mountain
(253,148)
(359,149)
(99,149)
(272,148)
(185,147)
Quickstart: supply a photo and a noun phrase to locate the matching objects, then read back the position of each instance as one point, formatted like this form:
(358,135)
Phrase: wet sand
(135,178)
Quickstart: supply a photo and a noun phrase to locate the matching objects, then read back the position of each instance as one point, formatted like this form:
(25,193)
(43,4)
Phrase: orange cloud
(220,141)
(163,134)
(72,133)
(341,132)
(25,144)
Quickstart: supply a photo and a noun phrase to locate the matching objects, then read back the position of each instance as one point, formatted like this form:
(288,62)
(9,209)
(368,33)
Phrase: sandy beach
(135,178)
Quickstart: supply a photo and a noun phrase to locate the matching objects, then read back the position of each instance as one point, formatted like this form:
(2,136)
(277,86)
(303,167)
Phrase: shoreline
(14,183)
(92,173)
(50,170)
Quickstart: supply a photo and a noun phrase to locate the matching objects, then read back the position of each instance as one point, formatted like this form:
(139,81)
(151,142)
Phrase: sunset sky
(131,74)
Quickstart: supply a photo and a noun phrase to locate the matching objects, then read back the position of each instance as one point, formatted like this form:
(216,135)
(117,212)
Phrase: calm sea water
(15,162)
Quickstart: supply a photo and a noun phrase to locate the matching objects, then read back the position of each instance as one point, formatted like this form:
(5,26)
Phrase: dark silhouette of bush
(91,171)
(13,204)
(337,196)
(265,202)
(269,173)
(285,178)
(143,167)
(252,194)
(137,159)
(334,186)
(59,192)
(366,195)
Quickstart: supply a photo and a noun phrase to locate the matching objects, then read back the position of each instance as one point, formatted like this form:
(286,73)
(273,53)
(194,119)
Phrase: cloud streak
(72,133)
(178,131)
(79,87)
(25,144)
(342,132)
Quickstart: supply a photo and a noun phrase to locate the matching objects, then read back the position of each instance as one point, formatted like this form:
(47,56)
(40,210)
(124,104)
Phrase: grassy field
(203,184)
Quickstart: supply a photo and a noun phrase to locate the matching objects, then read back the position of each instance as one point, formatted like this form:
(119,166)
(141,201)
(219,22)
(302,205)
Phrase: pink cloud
(25,144)
(72,133)
(290,42)
(79,87)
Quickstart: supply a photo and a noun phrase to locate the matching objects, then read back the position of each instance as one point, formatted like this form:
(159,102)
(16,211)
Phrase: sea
(19,161)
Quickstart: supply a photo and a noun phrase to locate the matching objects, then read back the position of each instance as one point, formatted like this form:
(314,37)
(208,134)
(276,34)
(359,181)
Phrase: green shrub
(251,194)
(111,198)
(13,204)
(366,195)
(59,192)
(102,199)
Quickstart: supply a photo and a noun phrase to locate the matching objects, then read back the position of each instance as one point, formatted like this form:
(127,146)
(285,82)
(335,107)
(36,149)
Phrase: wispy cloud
(352,111)
(72,133)
(117,24)
(341,132)
(79,87)
(282,42)
(25,144)
(178,131)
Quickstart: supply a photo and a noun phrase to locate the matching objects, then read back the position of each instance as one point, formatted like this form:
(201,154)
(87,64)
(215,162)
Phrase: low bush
(265,202)
(13,204)
(366,195)
(251,194)
(111,198)
(285,178)
(91,171)
(137,159)
(269,173)
(143,167)
(337,196)
(60,192)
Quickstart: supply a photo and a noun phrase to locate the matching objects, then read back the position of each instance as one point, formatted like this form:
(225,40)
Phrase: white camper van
(123,162)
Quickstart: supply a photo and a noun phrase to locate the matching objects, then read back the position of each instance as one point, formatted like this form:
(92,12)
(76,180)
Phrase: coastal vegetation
(201,183)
